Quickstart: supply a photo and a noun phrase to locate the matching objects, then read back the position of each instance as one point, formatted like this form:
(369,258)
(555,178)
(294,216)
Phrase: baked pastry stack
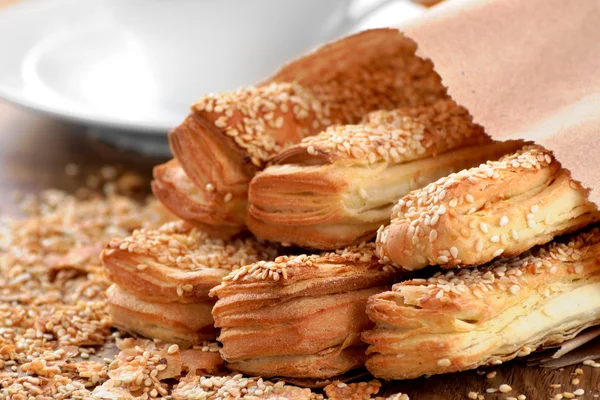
(299,316)
(465,318)
(462,319)
(336,188)
(229,137)
(162,278)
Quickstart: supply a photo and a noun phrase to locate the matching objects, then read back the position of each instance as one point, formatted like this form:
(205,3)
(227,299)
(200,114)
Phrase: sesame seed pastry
(461,319)
(189,323)
(229,137)
(178,262)
(502,207)
(336,188)
(299,316)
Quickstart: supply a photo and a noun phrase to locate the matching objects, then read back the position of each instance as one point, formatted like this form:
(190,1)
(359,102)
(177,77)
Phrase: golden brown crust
(462,319)
(188,324)
(177,262)
(336,188)
(502,207)
(278,317)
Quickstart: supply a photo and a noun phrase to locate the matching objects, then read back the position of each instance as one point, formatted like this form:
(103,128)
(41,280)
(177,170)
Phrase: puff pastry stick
(337,188)
(170,322)
(502,207)
(460,320)
(177,263)
(227,138)
(299,316)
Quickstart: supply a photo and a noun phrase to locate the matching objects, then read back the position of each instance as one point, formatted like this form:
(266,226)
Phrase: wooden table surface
(34,150)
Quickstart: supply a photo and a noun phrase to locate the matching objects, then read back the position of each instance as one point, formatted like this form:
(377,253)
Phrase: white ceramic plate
(137,65)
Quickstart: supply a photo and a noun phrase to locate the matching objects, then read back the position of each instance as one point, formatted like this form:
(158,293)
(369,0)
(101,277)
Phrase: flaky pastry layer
(280,315)
(177,262)
(189,324)
(174,189)
(228,137)
(502,207)
(336,188)
(462,319)
(325,364)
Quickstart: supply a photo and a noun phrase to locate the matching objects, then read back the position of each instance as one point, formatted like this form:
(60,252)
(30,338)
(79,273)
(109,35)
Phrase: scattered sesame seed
(504,388)
(173,349)
(579,392)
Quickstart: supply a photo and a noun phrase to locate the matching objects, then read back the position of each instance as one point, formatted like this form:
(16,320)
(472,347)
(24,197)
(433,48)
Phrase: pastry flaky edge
(299,316)
(462,319)
(188,324)
(228,137)
(501,208)
(178,262)
(337,188)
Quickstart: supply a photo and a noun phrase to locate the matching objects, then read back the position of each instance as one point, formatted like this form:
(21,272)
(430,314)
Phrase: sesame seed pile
(399,135)
(52,291)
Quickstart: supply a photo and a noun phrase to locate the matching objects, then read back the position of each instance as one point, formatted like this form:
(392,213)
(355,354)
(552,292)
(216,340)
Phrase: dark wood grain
(34,151)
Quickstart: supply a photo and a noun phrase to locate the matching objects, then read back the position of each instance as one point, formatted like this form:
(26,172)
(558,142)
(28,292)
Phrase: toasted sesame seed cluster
(53,316)
(399,135)
(228,137)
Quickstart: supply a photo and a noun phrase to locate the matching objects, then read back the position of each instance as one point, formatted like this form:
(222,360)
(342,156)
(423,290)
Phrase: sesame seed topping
(483,227)
(444,362)
(362,257)
(396,136)
(503,220)
(504,388)
(173,349)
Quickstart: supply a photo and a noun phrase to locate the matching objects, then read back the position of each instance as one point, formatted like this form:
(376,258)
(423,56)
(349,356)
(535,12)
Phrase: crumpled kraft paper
(524,69)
